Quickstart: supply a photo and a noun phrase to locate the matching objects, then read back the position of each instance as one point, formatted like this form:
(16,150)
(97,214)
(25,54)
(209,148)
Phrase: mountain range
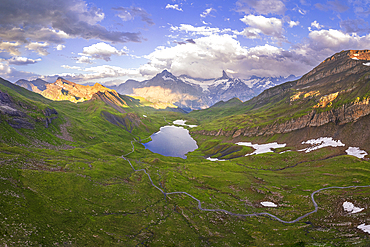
(165,88)
(193,93)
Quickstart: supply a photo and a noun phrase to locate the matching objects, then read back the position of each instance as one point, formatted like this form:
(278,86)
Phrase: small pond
(172,141)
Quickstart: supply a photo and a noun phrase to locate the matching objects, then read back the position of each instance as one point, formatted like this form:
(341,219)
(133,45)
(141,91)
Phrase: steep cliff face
(339,116)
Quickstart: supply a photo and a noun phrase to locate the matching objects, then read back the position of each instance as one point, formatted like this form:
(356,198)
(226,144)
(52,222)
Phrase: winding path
(235,214)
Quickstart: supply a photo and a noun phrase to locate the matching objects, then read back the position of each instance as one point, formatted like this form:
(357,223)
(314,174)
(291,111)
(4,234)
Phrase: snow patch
(203,84)
(263,148)
(365,228)
(321,143)
(214,159)
(269,204)
(357,152)
(182,122)
(349,207)
(355,58)
(167,78)
(366,64)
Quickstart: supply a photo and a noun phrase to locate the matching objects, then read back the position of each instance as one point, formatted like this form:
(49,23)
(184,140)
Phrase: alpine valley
(280,161)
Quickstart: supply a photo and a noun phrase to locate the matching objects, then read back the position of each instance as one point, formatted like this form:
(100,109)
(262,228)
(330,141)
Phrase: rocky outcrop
(20,123)
(338,116)
(346,62)
(5,98)
(50,115)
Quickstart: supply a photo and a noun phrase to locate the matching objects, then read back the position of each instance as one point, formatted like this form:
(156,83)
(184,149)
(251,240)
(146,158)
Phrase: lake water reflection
(172,141)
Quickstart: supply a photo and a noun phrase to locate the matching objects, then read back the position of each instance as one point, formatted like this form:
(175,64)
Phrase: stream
(235,214)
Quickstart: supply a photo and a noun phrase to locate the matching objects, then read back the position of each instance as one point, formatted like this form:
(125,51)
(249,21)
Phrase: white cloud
(10,47)
(203,30)
(261,6)
(208,56)
(102,51)
(293,23)
(71,67)
(321,44)
(84,59)
(260,24)
(336,40)
(40,48)
(96,73)
(60,47)
(316,25)
(22,61)
(175,7)
(12,74)
(207,12)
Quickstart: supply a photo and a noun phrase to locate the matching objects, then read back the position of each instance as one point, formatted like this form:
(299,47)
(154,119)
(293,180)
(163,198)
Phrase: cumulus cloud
(336,40)
(321,44)
(293,23)
(261,6)
(22,60)
(174,6)
(53,21)
(316,25)
(60,47)
(130,13)
(84,59)
(207,12)
(40,48)
(260,24)
(212,54)
(13,74)
(10,47)
(102,51)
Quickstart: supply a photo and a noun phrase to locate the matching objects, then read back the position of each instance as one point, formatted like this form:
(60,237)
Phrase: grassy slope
(264,109)
(87,195)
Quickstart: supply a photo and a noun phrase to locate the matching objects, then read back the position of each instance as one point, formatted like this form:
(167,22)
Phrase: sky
(111,41)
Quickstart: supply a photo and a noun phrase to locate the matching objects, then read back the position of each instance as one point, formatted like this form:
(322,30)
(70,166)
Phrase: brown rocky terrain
(62,89)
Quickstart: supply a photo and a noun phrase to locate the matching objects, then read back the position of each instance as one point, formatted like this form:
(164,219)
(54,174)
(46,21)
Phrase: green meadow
(68,185)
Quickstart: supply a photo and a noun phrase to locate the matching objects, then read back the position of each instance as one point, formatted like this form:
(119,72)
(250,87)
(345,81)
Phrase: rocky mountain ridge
(194,93)
(163,89)
(336,91)
(63,89)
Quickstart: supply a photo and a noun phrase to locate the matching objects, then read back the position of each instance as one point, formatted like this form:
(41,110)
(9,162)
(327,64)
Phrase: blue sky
(112,41)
